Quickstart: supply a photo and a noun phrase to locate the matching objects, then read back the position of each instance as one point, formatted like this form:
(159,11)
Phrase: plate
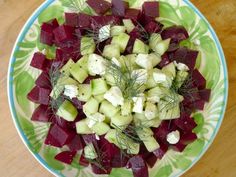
(211,63)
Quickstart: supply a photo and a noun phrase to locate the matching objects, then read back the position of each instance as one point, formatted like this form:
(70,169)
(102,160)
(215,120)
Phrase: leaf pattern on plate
(172,12)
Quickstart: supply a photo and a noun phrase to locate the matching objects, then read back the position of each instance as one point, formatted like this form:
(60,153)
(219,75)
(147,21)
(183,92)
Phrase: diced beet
(178,147)
(160,152)
(198,105)
(46,34)
(76,143)
(187,138)
(57,136)
(42,114)
(119,7)
(54,23)
(173,47)
(191,94)
(132,14)
(153,27)
(151,8)
(205,94)
(150,159)
(119,160)
(61,56)
(89,78)
(72,19)
(39,95)
(78,104)
(38,60)
(138,166)
(164,61)
(83,161)
(89,138)
(176,33)
(43,81)
(98,21)
(63,34)
(186,56)
(98,170)
(198,79)
(100,46)
(66,156)
(84,20)
(185,123)
(134,34)
(99,6)
(66,125)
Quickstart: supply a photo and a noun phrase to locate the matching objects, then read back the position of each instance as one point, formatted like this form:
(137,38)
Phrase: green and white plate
(211,63)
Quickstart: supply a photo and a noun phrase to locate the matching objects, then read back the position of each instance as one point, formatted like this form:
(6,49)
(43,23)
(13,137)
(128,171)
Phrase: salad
(117,88)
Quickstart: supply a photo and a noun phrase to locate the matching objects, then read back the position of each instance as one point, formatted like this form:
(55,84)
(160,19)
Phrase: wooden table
(220,159)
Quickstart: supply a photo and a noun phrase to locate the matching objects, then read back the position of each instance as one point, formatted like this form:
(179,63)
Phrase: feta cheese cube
(151,111)
(181,66)
(114,96)
(104,33)
(95,118)
(138,104)
(96,64)
(71,91)
(173,137)
(162,78)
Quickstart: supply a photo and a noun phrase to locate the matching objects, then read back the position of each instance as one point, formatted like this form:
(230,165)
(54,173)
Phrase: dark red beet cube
(39,95)
(164,61)
(38,60)
(119,7)
(150,159)
(98,170)
(42,114)
(160,152)
(185,123)
(178,147)
(89,138)
(63,33)
(186,56)
(46,34)
(43,80)
(153,27)
(99,6)
(72,19)
(78,104)
(57,136)
(187,138)
(84,20)
(138,166)
(199,105)
(54,23)
(98,21)
(176,33)
(173,47)
(151,8)
(132,14)
(66,157)
(198,79)
(76,143)
(83,161)
(205,94)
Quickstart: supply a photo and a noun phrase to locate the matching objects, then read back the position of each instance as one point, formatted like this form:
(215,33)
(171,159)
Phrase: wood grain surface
(220,159)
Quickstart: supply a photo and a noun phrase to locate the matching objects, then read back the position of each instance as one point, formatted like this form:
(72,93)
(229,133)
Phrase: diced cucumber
(131,61)
(133,147)
(170,69)
(144,61)
(155,94)
(150,81)
(94,118)
(99,98)
(82,127)
(114,96)
(110,80)
(164,79)
(101,128)
(181,76)
(151,111)
(168,111)
(108,109)
(90,107)
(126,108)
(65,70)
(90,152)
(121,121)
(87,45)
(99,86)
(151,144)
(156,59)
(116,30)
(128,25)
(111,136)
(96,65)
(84,92)
(141,120)
(140,47)
(121,40)
(153,123)
(59,87)
(143,132)
(71,91)
(82,63)
(139,116)
(154,39)
(112,50)
(79,74)
(104,33)
(162,47)
(67,111)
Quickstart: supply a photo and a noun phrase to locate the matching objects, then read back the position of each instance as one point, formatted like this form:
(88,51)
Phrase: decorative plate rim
(10,92)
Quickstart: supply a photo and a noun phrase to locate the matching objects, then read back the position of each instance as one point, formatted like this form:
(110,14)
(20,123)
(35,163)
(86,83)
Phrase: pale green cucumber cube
(83,62)
(82,127)
(91,106)
(150,81)
(112,50)
(87,46)
(162,47)
(121,121)
(151,111)
(100,128)
(133,147)
(156,59)
(99,98)
(154,39)
(116,30)
(67,111)
(140,48)
(128,25)
(110,80)
(180,78)
(108,109)
(126,108)
(65,70)
(168,111)
(99,86)
(84,92)
(90,152)
(170,70)
(151,143)
(121,40)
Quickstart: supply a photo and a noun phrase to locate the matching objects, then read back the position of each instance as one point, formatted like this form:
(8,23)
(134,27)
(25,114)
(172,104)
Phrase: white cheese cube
(96,64)
(173,137)
(71,91)
(114,96)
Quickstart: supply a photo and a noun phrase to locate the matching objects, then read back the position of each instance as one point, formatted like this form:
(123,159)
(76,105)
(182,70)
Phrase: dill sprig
(124,78)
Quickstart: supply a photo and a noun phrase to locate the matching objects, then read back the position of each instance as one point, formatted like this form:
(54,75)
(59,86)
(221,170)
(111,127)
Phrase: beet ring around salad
(118,89)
